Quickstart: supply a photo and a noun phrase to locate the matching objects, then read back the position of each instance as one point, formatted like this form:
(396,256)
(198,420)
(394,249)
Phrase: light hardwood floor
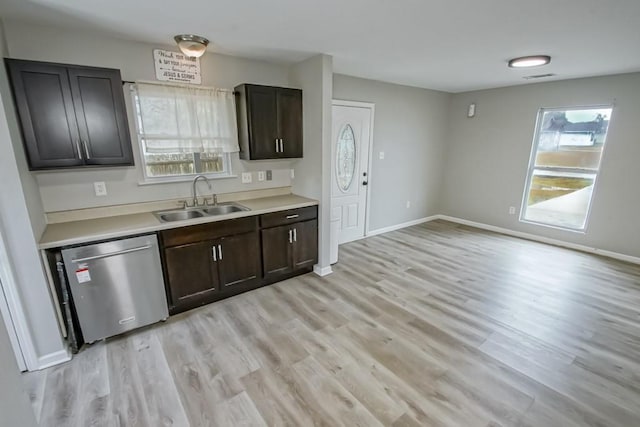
(433,325)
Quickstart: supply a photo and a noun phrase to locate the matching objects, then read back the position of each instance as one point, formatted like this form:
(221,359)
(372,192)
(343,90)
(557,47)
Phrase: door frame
(371,106)
(13,315)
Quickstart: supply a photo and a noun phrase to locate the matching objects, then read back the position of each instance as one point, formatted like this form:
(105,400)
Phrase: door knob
(365,182)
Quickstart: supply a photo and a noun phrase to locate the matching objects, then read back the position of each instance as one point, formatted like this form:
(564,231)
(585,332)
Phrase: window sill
(555,227)
(186,178)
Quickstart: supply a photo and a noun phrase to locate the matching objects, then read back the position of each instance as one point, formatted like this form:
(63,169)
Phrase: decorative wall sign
(176,67)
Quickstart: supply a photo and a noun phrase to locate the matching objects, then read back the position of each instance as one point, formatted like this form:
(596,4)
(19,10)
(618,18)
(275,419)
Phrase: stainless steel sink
(181,215)
(224,208)
(191,213)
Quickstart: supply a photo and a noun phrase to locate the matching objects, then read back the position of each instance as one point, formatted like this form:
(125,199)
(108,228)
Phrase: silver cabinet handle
(295,235)
(78,148)
(290,236)
(277,146)
(292,216)
(281,145)
(86,149)
(126,251)
(220,252)
(213,250)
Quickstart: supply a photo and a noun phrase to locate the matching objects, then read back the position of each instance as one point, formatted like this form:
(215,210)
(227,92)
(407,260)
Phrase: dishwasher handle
(126,251)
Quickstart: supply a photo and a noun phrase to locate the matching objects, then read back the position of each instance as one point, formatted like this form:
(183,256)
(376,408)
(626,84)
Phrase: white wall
(17,198)
(62,190)
(312,172)
(410,127)
(15,409)
(488,156)
(29,183)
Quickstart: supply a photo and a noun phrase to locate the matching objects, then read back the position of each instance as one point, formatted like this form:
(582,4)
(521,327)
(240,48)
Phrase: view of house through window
(184,131)
(564,165)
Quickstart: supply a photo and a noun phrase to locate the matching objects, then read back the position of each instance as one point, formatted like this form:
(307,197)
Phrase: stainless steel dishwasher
(116,286)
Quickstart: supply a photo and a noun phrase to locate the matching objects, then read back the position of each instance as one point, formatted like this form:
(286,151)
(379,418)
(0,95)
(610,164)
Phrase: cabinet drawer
(288,217)
(209,231)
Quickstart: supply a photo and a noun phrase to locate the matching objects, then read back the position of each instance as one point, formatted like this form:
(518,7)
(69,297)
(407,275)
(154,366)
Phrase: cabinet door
(239,260)
(45,108)
(192,274)
(305,251)
(101,115)
(276,251)
(263,130)
(290,121)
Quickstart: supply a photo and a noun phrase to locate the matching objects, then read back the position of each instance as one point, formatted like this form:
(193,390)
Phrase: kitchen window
(184,131)
(564,166)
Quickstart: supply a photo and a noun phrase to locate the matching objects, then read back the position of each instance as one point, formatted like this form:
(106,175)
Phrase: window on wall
(184,131)
(564,165)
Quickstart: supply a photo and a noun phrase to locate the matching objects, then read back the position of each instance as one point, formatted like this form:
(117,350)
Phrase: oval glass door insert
(345,158)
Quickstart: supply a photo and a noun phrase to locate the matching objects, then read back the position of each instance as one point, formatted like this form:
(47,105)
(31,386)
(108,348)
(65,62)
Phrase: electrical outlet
(269,175)
(100,188)
(293,174)
(381,155)
(261,176)
(246,177)
(512,210)
(408,204)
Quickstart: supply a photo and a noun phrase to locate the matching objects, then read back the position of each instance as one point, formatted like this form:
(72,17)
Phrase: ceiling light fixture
(529,61)
(192,45)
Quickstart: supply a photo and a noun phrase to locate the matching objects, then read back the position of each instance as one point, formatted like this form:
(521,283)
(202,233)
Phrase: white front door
(351,146)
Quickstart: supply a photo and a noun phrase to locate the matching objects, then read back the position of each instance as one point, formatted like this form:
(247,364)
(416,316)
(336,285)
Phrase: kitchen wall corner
(313,172)
(73,189)
(21,224)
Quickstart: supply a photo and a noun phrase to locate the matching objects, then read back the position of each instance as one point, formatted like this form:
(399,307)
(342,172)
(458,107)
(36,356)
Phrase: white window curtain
(180,119)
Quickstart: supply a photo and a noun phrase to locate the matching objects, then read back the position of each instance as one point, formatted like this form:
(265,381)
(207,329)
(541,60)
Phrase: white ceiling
(450,45)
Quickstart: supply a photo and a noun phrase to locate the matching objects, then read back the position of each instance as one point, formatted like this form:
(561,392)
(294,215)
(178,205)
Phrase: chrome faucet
(194,190)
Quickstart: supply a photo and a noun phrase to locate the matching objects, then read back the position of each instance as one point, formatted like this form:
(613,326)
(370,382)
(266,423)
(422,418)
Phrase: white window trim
(150,180)
(531,168)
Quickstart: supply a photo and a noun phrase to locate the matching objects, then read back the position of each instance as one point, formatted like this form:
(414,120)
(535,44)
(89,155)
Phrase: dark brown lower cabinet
(205,271)
(305,245)
(276,252)
(291,248)
(191,273)
(238,260)
(207,262)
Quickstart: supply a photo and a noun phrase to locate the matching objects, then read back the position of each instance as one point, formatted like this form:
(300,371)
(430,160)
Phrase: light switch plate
(269,175)
(293,173)
(261,176)
(381,155)
(246,177)
(100,188)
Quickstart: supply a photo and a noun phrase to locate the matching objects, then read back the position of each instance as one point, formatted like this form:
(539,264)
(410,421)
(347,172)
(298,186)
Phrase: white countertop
(91,230)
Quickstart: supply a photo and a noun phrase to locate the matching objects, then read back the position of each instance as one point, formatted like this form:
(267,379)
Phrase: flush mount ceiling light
(192,45)
(529,61)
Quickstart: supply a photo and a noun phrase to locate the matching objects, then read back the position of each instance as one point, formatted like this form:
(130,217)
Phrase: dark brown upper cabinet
(269,122)
(71,116)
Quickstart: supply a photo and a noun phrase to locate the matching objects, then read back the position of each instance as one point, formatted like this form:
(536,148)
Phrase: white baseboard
(555,242)
(403,225)
(52,359)
(322,271)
